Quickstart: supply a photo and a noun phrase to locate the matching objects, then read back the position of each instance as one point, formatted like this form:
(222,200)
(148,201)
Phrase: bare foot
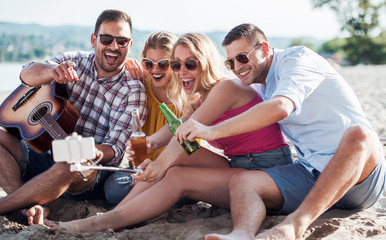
(76,226)
(281,231)
(37,214)
(293,227)
(231,236)
(98,223)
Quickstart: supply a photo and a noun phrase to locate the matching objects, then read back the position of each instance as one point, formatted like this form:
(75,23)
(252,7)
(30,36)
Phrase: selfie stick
(78,167)
(76,149)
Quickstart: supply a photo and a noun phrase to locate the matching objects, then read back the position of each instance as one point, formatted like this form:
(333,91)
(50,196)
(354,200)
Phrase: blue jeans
(34,163)
(118,185)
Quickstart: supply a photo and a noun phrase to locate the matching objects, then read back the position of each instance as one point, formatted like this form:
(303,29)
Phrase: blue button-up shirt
(325,105)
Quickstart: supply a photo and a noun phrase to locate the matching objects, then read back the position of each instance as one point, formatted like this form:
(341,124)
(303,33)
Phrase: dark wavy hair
(112,15)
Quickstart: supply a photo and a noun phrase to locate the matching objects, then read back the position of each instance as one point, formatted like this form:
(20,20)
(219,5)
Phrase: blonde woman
(203,175)
(155,73)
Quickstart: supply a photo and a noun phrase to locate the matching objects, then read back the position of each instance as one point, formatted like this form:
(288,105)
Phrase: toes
(35,215)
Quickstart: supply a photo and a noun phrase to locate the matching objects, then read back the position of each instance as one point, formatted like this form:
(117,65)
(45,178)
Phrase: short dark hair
(247,30)
(111,15)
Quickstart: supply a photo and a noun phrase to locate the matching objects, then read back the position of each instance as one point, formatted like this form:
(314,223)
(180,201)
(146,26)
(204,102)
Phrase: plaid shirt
(104,104)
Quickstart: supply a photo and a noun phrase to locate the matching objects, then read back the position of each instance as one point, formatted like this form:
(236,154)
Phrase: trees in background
(366,42)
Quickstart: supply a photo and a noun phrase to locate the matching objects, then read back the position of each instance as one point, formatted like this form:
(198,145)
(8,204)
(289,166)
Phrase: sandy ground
(194,221)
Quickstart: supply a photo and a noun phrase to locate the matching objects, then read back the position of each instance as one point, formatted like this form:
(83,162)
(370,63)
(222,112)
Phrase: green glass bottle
(174,122)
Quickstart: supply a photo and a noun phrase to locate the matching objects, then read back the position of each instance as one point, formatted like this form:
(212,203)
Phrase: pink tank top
(265,139)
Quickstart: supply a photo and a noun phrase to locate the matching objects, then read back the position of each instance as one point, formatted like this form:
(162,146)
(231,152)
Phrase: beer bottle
(174,122)
(138,139)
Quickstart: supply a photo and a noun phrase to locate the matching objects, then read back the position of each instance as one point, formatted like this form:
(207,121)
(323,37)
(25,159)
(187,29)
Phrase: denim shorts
(267,159)
(295,181)
(34,163)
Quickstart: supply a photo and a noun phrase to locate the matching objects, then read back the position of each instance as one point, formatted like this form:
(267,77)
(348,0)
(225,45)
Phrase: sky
(277,18)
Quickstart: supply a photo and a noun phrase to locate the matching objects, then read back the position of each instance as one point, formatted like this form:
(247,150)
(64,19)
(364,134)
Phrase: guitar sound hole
(39,113)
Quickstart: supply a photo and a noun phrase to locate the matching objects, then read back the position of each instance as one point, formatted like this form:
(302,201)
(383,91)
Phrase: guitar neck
(52,127)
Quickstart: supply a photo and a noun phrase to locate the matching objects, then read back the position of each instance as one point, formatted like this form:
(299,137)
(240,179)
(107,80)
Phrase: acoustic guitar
(38,115)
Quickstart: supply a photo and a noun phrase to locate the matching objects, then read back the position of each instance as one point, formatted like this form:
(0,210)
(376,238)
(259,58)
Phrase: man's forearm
(258,117)
(108,152)
(37,74)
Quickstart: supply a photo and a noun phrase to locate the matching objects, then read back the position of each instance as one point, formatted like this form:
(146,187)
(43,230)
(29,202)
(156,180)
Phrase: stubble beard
(108,68)
(260,76)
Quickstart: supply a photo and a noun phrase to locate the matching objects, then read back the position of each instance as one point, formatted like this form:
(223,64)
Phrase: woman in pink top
(253,150)
(203,175)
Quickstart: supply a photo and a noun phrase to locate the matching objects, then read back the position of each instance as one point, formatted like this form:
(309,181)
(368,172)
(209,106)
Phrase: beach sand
(194,221)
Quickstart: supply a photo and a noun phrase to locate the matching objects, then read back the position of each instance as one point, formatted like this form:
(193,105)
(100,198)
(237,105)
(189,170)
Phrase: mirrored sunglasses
(241,58)
(162,64)
(107,39)
(191,65)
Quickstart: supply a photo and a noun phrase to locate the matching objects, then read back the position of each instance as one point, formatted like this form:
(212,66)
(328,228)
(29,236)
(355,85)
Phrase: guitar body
(23,116)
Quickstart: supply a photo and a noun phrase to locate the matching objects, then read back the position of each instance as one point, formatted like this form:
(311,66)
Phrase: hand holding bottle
(138,139)
(191,130)
(130,153)
(174,122)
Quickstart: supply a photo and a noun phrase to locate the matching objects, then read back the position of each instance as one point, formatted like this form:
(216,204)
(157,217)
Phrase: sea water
(9,76)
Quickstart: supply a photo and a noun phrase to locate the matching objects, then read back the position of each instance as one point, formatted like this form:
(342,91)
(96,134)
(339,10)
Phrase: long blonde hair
(212,69)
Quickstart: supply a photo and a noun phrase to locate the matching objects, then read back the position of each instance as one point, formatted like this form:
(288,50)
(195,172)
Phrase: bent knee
(62,169)
(358,132)
(360,139)
(175,172)
(358,136)
(9,142)
(4,135)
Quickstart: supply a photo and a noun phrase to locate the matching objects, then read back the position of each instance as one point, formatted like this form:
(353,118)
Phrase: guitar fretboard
(52,127)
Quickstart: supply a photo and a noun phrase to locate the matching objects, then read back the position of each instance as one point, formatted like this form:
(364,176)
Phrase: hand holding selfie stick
(80,168)
(76,149)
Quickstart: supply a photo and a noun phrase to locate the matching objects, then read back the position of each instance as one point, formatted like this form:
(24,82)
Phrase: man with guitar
(100,96)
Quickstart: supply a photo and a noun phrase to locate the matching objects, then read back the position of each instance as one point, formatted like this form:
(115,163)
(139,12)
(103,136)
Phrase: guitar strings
(51,128)
(31,103)
(41,119)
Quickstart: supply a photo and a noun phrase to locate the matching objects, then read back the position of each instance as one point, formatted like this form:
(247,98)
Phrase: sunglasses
(162,64)
(191,65)
(241,58)
(107,39)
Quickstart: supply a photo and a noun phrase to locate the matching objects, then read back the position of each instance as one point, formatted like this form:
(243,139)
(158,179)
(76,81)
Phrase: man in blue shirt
(340,160)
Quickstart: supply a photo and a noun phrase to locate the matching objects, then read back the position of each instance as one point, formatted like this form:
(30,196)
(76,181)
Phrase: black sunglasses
(107,39)
(148,64)
(191,65)
(241,58)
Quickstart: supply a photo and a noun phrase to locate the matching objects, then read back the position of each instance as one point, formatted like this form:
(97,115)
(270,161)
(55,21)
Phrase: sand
(194,221)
